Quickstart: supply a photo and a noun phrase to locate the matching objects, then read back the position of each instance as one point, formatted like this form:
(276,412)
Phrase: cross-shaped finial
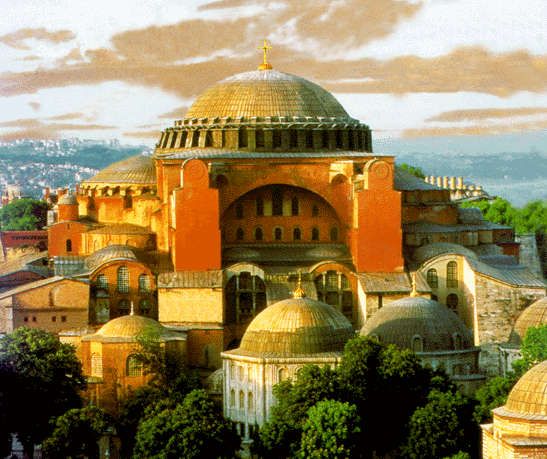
(414,291)
(265,64)
(299,291)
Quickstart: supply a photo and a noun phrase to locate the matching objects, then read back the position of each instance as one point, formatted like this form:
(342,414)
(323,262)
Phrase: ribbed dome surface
(428,251)
(264,93)
(111,252)
(127,328)
(68,199)
(139,170)
(529,396)
(297,327)
(533,316)
(399,322)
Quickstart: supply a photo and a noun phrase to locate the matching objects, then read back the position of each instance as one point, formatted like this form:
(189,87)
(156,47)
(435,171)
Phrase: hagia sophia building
(268,186)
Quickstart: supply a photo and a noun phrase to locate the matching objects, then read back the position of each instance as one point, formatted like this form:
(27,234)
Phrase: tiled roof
(405,181)
(282,253)
(222,153)
(516,275)
(120,228)
(24,263)
(391,282)
(425,227)
(33,285)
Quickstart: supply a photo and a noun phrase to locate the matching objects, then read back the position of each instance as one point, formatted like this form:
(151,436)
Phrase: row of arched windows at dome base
(246,294)
(122,281)
(133,366)
(278,234)
(452,281)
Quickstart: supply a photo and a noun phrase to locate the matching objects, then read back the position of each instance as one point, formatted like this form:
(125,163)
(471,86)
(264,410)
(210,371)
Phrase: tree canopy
(414,170)
(23,215)
(194,428)
(77,433)
(38,375)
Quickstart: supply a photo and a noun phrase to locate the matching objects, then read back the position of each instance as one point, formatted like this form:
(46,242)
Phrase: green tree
(533,349)
(23,214)
(330,431)
(280,436)
(443,427)
(491,395)
(39,376)
(193,429)
(532,218)
(414,170)
(76,433)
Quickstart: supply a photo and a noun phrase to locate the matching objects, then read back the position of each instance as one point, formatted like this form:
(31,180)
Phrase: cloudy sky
(408,68)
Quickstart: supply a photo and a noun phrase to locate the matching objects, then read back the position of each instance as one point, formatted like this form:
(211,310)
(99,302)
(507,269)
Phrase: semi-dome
(109,253)
(411,318)
(434,249)
(138,170)
(296,327)
(127,328)
(529,396)
(266,93)
(533,316)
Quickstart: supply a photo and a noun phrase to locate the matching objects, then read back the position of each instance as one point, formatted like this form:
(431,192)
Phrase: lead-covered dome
(296,327)
(266,93)
(529,396)
(533,316)
(415,318)
(137,170)
(128,328)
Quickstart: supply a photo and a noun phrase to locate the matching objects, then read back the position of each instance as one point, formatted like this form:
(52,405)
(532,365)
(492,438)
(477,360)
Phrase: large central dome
(263,93)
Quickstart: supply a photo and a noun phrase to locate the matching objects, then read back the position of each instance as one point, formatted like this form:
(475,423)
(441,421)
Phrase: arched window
(123,307)
(309,138)
(249,401)
(294,205)
(334,288)
(325,139)
(259,234)
(145,307)
(452,301)
(417,343)
(240,234)
(239,210)
(334,234)
(242,137)
(123,279)
(276,138)
(278,233)
(101,282)
(315,211)
(144,283)
(452,274)
(432,278)
(315,234)
(296,234)
(259,138)
(128,201)
(68,245)
(293,138)
(259,206)
(133,366)
(282,374)
(245,297)
(96,365)
(241,400)
(232,399)
(458,342)
(208,139)
(277,201)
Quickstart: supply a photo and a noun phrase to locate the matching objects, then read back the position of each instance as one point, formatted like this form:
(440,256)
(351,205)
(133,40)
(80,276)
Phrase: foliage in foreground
(40,376)
(23,215)
(193,429)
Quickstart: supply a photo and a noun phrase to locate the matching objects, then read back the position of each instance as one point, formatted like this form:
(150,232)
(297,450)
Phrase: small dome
(263,93)
(127,328)
(108,253)
(138,170)
(296,327)
(426,252)
(403,320)
(68,200)
(533,316)
(529,396)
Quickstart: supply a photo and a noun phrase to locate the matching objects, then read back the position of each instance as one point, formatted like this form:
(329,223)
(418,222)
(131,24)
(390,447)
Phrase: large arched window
(432,278)
(232,398)
(334,288)
(133,366)
(296,234)
(259,234)
(315,210)
(123,307)
(123,279)
(241,400)
(144,283)
(315,234)
(282,374)
(101,282)
(452,274)
(452,301)
(250,401)
(278,233)
(145,307)
(68,245)
(245,297)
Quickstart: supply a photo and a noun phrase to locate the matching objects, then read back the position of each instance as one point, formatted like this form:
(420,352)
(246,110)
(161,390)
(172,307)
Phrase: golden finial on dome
(414,292)
(265,64)
(299,291)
